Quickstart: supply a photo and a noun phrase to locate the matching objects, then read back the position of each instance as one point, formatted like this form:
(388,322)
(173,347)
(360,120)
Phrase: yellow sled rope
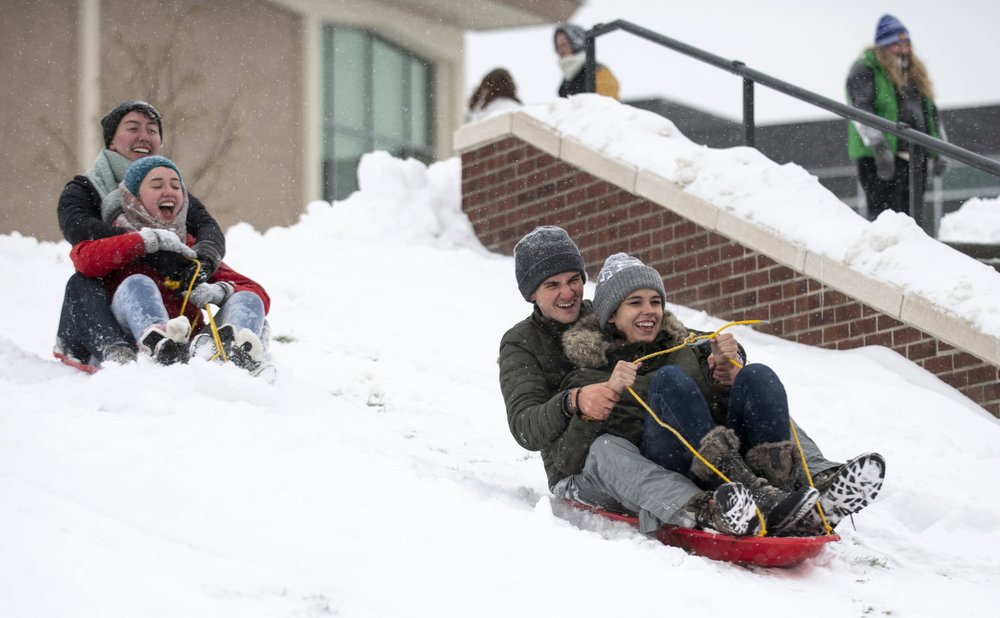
(174,285)
(691,340)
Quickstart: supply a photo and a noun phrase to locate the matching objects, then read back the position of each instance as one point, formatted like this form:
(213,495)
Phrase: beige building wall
(38,112)
(227,76)
(238,83)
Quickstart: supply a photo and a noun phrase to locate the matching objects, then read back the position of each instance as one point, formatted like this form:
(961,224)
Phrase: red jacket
(114,258)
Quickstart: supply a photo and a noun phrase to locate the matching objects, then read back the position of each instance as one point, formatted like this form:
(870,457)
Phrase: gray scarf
(109,170)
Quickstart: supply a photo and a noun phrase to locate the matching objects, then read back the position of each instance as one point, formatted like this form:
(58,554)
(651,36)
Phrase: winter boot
(244,349)
(729,509)
(118,354)
(782,510)
(847,489)
(166,343)
(776,462)
(203,347)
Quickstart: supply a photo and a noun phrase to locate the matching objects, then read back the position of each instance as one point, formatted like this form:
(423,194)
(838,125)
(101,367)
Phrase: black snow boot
(781,509)
(729,509)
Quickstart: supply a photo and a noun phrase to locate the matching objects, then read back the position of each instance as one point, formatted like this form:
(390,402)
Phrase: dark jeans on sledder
(757,412)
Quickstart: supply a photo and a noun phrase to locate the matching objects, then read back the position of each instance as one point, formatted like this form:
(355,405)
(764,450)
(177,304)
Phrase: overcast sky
(808,43)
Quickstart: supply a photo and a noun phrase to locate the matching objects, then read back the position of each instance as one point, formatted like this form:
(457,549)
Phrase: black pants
(894,194)
(87,326)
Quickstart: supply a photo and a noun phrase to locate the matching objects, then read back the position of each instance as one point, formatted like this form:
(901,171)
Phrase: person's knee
(672,378)
(138,281)
(249,300)
(79,286)
(758,373)
(607,447)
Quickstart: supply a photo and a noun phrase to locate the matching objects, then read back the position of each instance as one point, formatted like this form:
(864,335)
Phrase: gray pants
(616,476)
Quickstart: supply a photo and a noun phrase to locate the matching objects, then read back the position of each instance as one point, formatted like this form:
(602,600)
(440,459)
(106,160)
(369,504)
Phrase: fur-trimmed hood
(586,345)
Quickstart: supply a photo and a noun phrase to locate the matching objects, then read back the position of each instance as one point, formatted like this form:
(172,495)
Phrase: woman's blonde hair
(917,73)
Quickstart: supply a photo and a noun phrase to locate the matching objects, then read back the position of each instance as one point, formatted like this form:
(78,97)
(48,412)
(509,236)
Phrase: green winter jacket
(886,105)
(532,364)
(595,355)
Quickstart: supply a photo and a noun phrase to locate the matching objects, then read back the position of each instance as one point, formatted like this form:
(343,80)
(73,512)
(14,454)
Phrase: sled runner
(769,551)
(74,362)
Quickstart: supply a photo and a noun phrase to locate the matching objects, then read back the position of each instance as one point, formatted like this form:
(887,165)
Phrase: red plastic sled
(74,362)
(769,551)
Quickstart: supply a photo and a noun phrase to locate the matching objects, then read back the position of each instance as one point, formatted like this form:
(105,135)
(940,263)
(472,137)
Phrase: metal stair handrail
(751,76)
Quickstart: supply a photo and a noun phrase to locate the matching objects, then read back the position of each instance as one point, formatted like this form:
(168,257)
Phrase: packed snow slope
(378,478)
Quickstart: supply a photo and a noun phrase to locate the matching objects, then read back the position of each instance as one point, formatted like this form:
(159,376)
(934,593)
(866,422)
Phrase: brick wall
(509,187)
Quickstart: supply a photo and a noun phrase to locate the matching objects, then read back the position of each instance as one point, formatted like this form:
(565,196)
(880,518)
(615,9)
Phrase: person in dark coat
(87,330)
(550,274)
(736,415)
(570,41)
(890,81)
(137,269)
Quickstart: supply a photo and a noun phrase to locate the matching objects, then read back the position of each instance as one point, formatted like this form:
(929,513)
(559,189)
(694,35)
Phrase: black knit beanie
(545,251)
(111,120)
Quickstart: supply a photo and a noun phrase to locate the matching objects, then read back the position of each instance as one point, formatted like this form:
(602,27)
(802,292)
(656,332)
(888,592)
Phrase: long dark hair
(497,84)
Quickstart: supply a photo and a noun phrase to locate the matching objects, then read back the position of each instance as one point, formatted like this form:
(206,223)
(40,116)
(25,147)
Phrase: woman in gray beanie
(736,415)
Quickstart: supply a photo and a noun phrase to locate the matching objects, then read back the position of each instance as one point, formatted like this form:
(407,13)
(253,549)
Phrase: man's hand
(596,401)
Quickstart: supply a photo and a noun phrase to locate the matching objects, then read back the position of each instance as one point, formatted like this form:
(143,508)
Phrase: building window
(376,96)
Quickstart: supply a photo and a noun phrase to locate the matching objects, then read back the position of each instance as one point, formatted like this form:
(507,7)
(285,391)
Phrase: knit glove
(940,166)
(209,256)
(885,161)
(164,240)
(214,293)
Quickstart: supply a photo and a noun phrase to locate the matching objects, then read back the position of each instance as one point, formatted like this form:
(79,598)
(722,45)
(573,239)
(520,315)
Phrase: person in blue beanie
(890,80)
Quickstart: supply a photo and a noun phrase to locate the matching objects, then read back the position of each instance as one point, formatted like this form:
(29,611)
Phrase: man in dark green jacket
(550,274)
(890,81)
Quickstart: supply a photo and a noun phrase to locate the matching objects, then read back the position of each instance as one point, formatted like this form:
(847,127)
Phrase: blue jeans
(242,310)
(137,305)
(757,413)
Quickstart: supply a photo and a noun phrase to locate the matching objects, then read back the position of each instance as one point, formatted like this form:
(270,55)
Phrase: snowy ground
(377,477)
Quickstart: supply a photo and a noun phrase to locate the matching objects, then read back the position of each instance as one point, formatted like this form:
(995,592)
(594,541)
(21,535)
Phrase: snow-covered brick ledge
(734,234)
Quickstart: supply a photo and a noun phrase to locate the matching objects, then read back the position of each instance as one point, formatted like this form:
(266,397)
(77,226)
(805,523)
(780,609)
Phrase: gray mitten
(164,240)
(940,166)
(885,161)
(214,293)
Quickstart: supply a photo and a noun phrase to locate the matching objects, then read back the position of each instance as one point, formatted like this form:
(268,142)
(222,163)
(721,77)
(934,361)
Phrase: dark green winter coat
(595,354)
(532,364)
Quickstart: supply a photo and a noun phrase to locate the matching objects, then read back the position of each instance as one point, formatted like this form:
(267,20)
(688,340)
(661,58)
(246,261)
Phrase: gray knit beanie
(576,36)
(545,251)
(621,275)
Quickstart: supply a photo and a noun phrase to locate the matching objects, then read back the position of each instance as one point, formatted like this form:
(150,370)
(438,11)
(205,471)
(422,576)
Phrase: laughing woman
(736,415)
(137,269)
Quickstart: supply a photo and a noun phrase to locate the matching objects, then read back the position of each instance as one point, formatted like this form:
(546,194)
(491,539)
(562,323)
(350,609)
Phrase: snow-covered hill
(377,477)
